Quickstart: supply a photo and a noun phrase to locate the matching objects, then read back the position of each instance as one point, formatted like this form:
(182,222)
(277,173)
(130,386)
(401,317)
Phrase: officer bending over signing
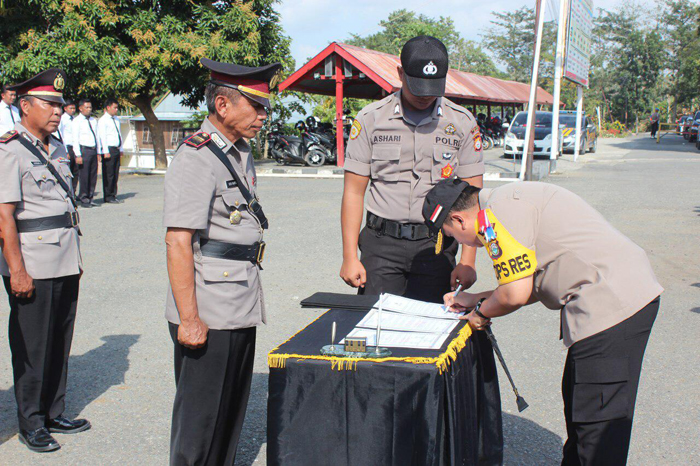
(548,245)
(402,146)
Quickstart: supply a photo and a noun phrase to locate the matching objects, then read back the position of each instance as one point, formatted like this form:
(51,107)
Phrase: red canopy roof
(373,75)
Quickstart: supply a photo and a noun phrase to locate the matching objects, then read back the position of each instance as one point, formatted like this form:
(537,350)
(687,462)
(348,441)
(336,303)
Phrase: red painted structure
(343,70)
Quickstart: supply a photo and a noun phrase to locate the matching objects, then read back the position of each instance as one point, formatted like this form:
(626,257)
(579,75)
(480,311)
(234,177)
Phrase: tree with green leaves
(402,25)
(681,21)
(511,39)
(136,50)
(627,63)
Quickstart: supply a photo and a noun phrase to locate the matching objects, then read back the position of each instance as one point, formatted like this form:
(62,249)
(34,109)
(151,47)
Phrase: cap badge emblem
(430,69)
(450,129)
(59,83)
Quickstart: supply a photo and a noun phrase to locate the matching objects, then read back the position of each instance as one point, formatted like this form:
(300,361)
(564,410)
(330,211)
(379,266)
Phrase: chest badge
(447,171)
(450,129)
(235,217)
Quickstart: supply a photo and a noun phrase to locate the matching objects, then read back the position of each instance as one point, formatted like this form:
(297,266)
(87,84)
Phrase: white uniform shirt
(108,134)
(65,128)
(9,115)
(82,135)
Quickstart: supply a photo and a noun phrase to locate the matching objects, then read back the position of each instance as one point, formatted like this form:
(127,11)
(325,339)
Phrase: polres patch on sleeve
(511,260)
(197,140)
(9,136)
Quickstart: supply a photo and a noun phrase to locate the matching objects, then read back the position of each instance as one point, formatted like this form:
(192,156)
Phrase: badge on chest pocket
(235,217)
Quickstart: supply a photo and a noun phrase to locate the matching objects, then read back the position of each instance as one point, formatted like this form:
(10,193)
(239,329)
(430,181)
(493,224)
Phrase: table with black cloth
(417,407)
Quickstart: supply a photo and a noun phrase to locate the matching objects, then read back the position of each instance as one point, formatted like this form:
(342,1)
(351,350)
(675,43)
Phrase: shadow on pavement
(529,443)
(125,196)
(89,376)
(695,310)
(673,143)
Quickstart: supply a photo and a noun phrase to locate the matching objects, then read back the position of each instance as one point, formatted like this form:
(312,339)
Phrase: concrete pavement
(121,369)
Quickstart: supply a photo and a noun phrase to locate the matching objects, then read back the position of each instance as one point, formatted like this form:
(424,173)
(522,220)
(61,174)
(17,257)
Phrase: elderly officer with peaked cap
(40,263)
(402,146)
(215,246)
(549,245)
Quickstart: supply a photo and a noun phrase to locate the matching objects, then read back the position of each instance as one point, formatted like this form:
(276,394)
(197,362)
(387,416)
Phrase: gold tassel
(438,244)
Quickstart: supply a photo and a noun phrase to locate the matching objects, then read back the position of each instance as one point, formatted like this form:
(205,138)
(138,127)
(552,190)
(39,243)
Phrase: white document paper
(391,339)
(407,323)
(417,308)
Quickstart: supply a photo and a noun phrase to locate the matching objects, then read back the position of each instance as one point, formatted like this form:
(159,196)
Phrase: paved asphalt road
(121,365)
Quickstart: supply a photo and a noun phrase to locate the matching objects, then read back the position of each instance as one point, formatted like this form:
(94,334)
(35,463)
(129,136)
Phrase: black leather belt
(254,253)
(67,220)
(409,231)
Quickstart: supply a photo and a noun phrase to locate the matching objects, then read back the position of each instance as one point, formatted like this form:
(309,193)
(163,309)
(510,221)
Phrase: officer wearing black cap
(40,263)
(402,146)
(215,246)
(548,245)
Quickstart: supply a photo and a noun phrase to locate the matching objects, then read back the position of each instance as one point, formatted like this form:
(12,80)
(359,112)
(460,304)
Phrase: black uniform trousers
(88,174)
(213,384)
(74,168)
(110,174)
(41,332)
(600,382)
(407,268)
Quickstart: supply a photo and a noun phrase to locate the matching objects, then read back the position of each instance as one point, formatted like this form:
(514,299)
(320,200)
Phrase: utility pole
(529,143)
(558,72)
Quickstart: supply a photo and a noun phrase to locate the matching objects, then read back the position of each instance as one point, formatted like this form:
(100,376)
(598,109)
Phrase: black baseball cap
(425,62)
(439,202)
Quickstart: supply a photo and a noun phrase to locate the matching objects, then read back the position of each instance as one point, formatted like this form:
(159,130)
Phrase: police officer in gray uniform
(402,146)
(40,263)
(215,246)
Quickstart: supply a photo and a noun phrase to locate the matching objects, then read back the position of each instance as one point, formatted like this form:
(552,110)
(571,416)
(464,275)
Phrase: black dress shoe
(61,425)
(114,201)
(94,204)
(85,205)
(38,440)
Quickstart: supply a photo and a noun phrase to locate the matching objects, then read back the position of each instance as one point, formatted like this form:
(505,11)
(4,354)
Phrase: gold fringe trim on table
(279,361)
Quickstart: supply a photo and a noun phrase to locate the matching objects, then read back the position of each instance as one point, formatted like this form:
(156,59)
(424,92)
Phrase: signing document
(407,323)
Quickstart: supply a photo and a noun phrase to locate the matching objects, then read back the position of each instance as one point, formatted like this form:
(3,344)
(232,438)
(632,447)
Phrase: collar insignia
(217,140)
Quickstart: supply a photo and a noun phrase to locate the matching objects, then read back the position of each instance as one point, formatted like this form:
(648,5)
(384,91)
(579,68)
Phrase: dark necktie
(92,131)
(118,133)
(9,108)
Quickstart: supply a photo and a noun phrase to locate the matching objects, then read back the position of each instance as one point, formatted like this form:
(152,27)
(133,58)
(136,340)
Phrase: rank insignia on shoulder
(450,129)
(447,171)
(9,136)
(197,140)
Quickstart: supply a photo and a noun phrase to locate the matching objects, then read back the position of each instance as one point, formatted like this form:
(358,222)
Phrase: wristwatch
(478,312)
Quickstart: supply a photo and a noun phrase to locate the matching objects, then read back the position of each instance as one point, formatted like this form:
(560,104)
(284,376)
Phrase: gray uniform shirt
(199,195)
(24,180)
(404,160)
(581,264)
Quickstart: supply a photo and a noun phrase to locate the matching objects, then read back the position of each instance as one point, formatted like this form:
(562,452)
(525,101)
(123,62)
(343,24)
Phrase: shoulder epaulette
(457,107)
(9,136)
(197,140)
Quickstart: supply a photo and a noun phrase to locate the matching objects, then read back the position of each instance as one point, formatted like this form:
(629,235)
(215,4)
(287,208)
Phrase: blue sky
(313,24)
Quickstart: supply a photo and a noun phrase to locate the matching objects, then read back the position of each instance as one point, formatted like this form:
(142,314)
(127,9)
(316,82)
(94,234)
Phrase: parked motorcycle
(305,149)
(325,136)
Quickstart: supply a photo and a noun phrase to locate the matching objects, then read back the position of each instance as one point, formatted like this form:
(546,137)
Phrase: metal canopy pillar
(340,142)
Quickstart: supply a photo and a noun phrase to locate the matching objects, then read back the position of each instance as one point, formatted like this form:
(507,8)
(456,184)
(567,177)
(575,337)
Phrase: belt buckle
(407,231)
(261,253)
(74,219)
